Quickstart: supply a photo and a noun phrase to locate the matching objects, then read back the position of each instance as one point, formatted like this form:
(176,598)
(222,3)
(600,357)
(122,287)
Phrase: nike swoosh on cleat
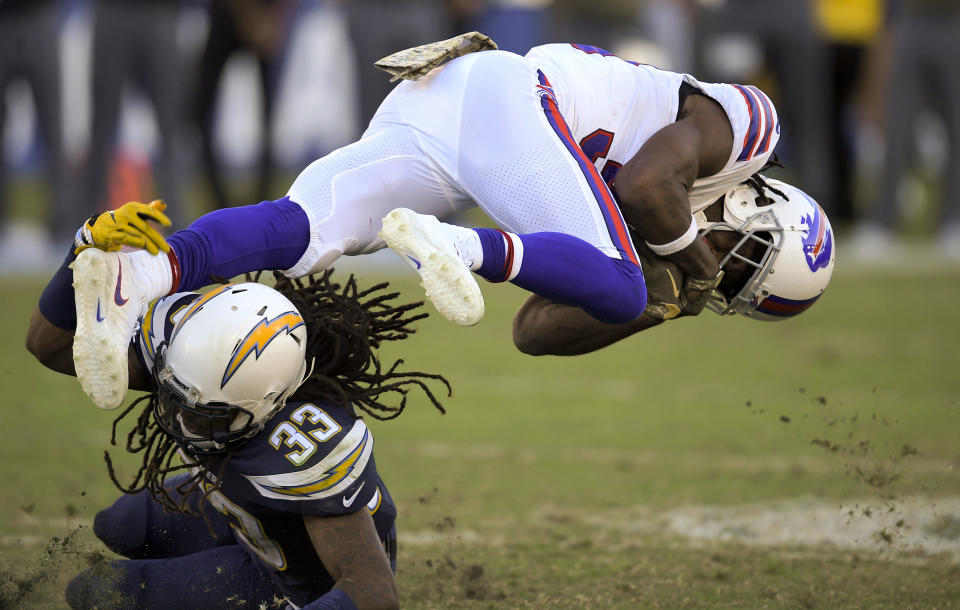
(348,501)
(415,261)
(99,317)
(117,297)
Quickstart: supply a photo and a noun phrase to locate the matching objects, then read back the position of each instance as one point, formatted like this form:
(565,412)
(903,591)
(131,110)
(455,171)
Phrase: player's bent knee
(122,526)
(623,301)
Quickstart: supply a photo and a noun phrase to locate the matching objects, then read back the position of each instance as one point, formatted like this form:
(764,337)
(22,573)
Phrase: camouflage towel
(413,64)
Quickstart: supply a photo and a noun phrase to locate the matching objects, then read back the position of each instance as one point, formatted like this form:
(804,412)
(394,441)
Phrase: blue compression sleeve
(229,242)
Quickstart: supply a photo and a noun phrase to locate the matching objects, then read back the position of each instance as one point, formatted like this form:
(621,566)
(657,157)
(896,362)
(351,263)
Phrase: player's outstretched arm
(544,328)
(52,346)
(352,553)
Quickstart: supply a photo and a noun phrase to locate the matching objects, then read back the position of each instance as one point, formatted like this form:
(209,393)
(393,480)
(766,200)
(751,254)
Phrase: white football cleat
(423,242)
(109,305)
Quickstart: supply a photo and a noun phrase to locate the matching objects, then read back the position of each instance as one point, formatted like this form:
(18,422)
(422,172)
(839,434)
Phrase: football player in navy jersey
(258,481)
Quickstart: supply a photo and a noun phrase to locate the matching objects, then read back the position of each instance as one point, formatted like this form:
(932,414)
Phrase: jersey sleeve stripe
(333,474)
(752,136)
(767,107)
(592,50)
(761,123)
(608,207)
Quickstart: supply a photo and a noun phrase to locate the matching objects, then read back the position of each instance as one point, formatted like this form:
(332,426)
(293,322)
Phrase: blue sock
(568,270)
(495,266)
(56,302)
(229,242)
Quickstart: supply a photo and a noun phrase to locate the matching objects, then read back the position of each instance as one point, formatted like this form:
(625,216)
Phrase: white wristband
(679,243)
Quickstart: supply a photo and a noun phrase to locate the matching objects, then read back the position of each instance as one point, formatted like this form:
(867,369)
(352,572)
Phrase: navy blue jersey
(311,458)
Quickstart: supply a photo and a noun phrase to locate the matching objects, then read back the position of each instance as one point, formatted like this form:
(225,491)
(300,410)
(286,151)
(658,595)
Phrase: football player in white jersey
(259,392)
(552,146)
(773,242)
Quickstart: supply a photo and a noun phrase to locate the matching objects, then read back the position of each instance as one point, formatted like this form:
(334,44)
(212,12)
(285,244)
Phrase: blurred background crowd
(221,102)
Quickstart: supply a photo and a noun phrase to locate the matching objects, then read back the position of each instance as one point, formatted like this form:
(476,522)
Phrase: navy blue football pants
(175,561)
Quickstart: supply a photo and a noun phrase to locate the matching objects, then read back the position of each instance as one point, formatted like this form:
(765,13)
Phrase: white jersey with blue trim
(613,106)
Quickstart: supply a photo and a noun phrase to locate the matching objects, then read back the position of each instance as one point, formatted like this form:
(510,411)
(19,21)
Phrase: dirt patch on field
(890,527)
(928,525)
(23,582)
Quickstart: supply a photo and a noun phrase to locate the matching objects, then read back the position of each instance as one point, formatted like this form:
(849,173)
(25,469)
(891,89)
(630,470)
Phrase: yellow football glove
(128,225)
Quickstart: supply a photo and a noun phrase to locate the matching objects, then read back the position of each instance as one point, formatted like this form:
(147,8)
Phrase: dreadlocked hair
(345,325)
(760,185)
(158,451)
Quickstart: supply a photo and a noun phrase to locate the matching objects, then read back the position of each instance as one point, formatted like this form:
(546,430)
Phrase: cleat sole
(95,355)
(447,283)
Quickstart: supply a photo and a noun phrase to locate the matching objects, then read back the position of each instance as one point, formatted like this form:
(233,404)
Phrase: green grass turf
(533,489)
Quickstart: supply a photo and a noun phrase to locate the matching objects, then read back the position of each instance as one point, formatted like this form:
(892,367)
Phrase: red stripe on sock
(174,271)
(508,262)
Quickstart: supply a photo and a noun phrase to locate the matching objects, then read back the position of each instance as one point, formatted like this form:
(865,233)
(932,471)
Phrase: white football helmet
(799,254)
(235,356)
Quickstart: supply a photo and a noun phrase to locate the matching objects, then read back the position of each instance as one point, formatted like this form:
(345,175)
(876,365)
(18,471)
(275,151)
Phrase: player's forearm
(544,328)
(50,345)
(661,217)
(349,594)
(353,554)
(653,191)
(696,260)
(652,186)
(370,593)
(50,333)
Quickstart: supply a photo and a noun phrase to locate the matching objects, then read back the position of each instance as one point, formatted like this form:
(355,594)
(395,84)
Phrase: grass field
(706,464)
